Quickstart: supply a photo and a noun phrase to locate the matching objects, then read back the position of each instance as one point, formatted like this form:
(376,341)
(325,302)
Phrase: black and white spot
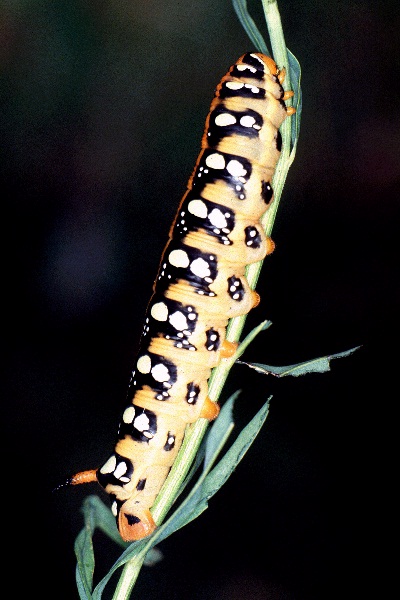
(188,263)
(193,391)
(235,288)
(138,423)
(213,340)
(220,166)
(170,443)
(198,213)
(172,320)
(252,237)
(117,470)
(224,123)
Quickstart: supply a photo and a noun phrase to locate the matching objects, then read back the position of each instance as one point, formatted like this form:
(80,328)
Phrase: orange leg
(287,95)
(210,410)
(256,298)
(228,349)
(270,246)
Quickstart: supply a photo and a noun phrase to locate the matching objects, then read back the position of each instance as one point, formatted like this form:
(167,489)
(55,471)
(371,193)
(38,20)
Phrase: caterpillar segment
(200,285)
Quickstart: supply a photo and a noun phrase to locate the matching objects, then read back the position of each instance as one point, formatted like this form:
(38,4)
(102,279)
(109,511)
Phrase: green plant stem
(128,578)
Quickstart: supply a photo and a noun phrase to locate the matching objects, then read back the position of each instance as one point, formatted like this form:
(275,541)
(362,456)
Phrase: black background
(102,109)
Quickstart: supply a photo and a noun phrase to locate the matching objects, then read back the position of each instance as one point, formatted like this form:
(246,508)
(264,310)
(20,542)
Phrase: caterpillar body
(200,285)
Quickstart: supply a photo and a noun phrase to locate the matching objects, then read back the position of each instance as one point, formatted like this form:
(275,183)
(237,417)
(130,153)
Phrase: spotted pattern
(235,288)
(252,236)
(193,392)
(200,284)
(117,470)
(226,122)
(198,213)
(221,166)
(138,423)
(190,264)
(170,443)
(173,320)
(156,372)
(213,340)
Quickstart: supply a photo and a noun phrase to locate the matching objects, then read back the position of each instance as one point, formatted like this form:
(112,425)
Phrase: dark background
(102,109)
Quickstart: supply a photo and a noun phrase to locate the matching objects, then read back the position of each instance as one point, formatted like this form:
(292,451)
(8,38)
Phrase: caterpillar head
(133,521)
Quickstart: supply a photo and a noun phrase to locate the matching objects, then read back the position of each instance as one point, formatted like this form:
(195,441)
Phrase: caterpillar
(200,285)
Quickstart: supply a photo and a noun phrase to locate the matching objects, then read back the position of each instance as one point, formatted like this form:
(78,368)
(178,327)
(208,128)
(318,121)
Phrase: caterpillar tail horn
(78,478)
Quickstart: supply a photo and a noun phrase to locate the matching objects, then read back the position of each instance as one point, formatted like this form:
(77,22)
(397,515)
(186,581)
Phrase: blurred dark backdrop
(102,109)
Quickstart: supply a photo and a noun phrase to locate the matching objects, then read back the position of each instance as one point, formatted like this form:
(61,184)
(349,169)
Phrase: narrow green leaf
(249,338)
(197,501)
(248,24)
(84,553)
(295,78)
(136,551)
(84,581)
(218,429)
(317,365)
(228,463)
(185,513)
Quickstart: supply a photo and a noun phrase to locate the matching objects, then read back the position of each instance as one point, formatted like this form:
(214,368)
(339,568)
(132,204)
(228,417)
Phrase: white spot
(160,372)
(234,85)
(225,119)
(246,67)
(109,466)
(198,208)
(253,88)
(200,268)
(247,121)
(170,440)
(215,161)
(178,320)
(120,470)
(142,422)
(179,258)
(192,316)
(217,218)
(129,414)
(144,364)
(236,169)
(159,311)
(114,508)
